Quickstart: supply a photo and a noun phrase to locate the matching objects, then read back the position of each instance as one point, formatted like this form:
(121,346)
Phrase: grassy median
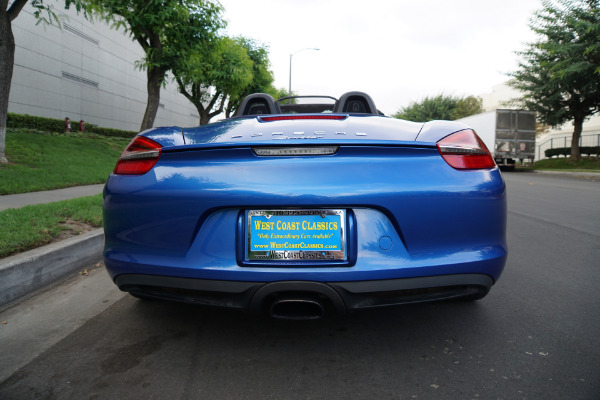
(565,164)
(34,226)
(45,161)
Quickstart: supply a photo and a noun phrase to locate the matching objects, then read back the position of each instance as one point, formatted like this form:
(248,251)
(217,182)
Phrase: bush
(31,122)
(58,125)
(566,151)
(109,131)
(560,151)
(590,150)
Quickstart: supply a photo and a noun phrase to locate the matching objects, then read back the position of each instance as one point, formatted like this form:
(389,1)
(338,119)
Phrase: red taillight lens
(465,150)
(139,157)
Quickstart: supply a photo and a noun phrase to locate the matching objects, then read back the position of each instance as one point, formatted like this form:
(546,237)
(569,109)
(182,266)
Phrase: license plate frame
(296,235)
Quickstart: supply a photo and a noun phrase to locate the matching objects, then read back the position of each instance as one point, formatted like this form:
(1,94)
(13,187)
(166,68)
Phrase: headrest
(355,103)
(257,104)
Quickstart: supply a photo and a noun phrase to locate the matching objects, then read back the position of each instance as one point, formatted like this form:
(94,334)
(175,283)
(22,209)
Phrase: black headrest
(258,104)
(355,103)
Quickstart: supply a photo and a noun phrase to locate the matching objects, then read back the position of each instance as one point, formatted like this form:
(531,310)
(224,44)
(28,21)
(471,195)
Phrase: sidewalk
(48,196)
(28,272)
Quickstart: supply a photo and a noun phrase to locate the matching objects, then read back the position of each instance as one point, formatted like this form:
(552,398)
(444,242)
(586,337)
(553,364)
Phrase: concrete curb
(584,175)
(28,272)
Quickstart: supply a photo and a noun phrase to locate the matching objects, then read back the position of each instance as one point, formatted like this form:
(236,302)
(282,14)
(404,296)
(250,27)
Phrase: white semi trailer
(508,134)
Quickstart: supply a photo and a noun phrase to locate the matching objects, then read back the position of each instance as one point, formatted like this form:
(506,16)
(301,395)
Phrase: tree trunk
(202,112)
(155,80)
(7,57)
(207,115)
(204,118)
(577,128)
(232,107)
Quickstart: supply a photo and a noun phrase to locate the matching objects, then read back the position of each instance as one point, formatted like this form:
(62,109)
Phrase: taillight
(465,150)
(139,157)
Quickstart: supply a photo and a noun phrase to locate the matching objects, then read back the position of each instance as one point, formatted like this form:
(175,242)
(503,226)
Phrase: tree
(466,106)
(223,70)
(278,93)
(169,31)
(560,72)
(262,76)
(7,50)
(441,107)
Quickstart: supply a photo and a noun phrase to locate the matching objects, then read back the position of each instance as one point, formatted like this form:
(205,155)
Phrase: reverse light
(465,150)
(139,157)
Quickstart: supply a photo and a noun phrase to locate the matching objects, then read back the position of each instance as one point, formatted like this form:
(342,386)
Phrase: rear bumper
(343,297)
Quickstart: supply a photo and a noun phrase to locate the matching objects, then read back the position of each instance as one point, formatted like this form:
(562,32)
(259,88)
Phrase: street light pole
(292,55)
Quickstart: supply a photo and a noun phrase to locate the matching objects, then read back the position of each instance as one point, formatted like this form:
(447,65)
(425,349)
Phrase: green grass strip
(590,163)
(29,227)
(42,161)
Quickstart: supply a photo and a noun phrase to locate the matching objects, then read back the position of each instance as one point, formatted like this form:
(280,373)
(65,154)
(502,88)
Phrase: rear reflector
(139,157)
(465,150)
(298,116)
(295,151)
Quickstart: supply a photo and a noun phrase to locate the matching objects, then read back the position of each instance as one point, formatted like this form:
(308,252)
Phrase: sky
(397,51)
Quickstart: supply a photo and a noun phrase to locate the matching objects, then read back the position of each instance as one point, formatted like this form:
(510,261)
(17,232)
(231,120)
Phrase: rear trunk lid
(338,129)
(256,130)
(253,131)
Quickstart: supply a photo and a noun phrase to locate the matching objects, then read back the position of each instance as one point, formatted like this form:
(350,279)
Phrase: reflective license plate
(296,235)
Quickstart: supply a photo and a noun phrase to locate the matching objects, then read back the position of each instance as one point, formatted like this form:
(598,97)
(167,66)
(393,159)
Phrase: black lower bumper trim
(341,296)
(366,294)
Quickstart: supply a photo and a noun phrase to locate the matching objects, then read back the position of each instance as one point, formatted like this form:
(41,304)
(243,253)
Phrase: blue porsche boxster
(302,206)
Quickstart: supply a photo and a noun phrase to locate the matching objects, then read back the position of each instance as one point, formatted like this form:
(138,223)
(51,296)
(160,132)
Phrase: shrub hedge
(58,125)
(566,151)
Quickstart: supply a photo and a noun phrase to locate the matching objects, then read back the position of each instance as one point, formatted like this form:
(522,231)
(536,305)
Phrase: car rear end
(300,215)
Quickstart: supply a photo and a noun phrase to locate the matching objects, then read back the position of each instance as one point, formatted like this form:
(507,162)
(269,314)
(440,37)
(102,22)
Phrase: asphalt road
(533,337)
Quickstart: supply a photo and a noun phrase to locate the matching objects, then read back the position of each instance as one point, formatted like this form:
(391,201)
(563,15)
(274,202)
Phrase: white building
(553,138)
(86,71)
(498,97)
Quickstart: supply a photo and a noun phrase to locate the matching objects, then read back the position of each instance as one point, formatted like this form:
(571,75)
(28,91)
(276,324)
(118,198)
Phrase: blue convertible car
(301,206)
